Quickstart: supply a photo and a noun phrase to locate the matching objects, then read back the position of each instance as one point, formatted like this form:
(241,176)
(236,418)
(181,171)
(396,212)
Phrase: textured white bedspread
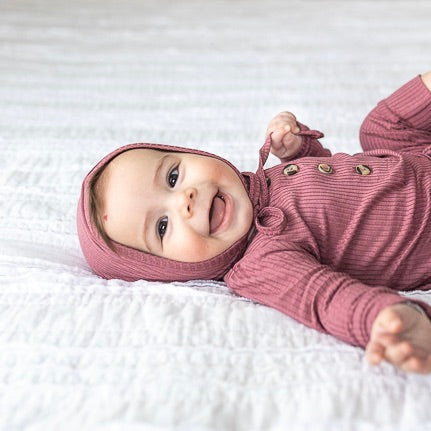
(78,79)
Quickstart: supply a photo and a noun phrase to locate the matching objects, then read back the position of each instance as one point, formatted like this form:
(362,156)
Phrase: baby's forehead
(126,164)
(131,158)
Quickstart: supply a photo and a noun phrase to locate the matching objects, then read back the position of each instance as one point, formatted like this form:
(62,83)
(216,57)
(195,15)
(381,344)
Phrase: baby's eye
(173,177)
(162,225)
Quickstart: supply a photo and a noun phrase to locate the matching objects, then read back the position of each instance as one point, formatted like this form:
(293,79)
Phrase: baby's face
(180,206)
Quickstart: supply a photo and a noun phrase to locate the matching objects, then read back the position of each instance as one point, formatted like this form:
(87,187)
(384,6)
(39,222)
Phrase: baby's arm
(401,335)
(291,139)
(402,121)
(290,279)
(284,276)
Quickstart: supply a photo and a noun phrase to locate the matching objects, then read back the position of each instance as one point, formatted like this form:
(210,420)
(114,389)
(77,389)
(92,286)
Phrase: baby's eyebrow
(145,230)
(158,168)
(145,235)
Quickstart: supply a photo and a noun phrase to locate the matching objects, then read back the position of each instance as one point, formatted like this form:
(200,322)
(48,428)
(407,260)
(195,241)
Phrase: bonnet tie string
(268,220)
(263,156)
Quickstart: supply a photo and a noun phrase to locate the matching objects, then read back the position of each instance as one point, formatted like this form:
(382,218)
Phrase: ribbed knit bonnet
(131,264)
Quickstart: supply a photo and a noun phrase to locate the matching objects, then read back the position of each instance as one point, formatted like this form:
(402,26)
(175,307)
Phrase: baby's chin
(201,252)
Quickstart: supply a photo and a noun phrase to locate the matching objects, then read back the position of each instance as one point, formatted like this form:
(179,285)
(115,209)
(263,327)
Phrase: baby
(329,240)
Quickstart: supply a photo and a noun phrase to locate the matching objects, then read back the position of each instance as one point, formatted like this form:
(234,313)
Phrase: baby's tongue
(216,213)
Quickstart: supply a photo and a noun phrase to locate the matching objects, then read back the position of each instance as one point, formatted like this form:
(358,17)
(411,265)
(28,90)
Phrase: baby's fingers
(374,353)
(277,138)
(388,348)
(398,353)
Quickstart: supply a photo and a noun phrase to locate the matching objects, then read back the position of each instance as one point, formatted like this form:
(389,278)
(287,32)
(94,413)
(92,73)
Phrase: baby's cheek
(197,249)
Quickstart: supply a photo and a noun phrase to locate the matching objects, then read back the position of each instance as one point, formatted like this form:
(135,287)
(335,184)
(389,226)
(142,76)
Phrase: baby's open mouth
(217,212)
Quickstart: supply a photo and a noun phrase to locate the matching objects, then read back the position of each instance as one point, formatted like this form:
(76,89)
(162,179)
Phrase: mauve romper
(338,236)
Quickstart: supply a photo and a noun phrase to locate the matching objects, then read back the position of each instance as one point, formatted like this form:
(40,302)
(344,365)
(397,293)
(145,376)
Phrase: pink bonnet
(131,264)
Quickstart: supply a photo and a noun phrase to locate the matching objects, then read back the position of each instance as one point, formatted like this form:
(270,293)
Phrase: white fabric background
(80,78)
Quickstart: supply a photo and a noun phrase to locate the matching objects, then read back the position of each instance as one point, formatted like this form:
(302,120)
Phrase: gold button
(291,169)
(324,168)
(363,170)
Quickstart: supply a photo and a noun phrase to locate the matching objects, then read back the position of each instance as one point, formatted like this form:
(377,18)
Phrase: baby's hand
(285,142)
(401,335)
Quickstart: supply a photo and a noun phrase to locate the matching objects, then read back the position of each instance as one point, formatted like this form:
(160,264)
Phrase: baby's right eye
(162,225)
(173,177)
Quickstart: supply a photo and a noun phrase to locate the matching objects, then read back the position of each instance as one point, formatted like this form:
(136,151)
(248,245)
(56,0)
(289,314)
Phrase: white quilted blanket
(78,79)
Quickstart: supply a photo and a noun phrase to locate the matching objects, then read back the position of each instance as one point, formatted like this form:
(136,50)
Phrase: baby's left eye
(173,177)
(162,225)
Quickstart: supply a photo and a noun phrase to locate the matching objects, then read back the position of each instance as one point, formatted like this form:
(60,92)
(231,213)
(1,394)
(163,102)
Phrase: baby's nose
(188,201)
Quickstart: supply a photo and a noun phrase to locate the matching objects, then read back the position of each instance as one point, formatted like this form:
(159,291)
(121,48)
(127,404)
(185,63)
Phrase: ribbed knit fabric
(332,249)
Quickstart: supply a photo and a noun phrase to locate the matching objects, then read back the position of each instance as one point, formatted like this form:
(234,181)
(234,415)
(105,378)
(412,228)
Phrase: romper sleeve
(401,122)
(293,282)
(311,146)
